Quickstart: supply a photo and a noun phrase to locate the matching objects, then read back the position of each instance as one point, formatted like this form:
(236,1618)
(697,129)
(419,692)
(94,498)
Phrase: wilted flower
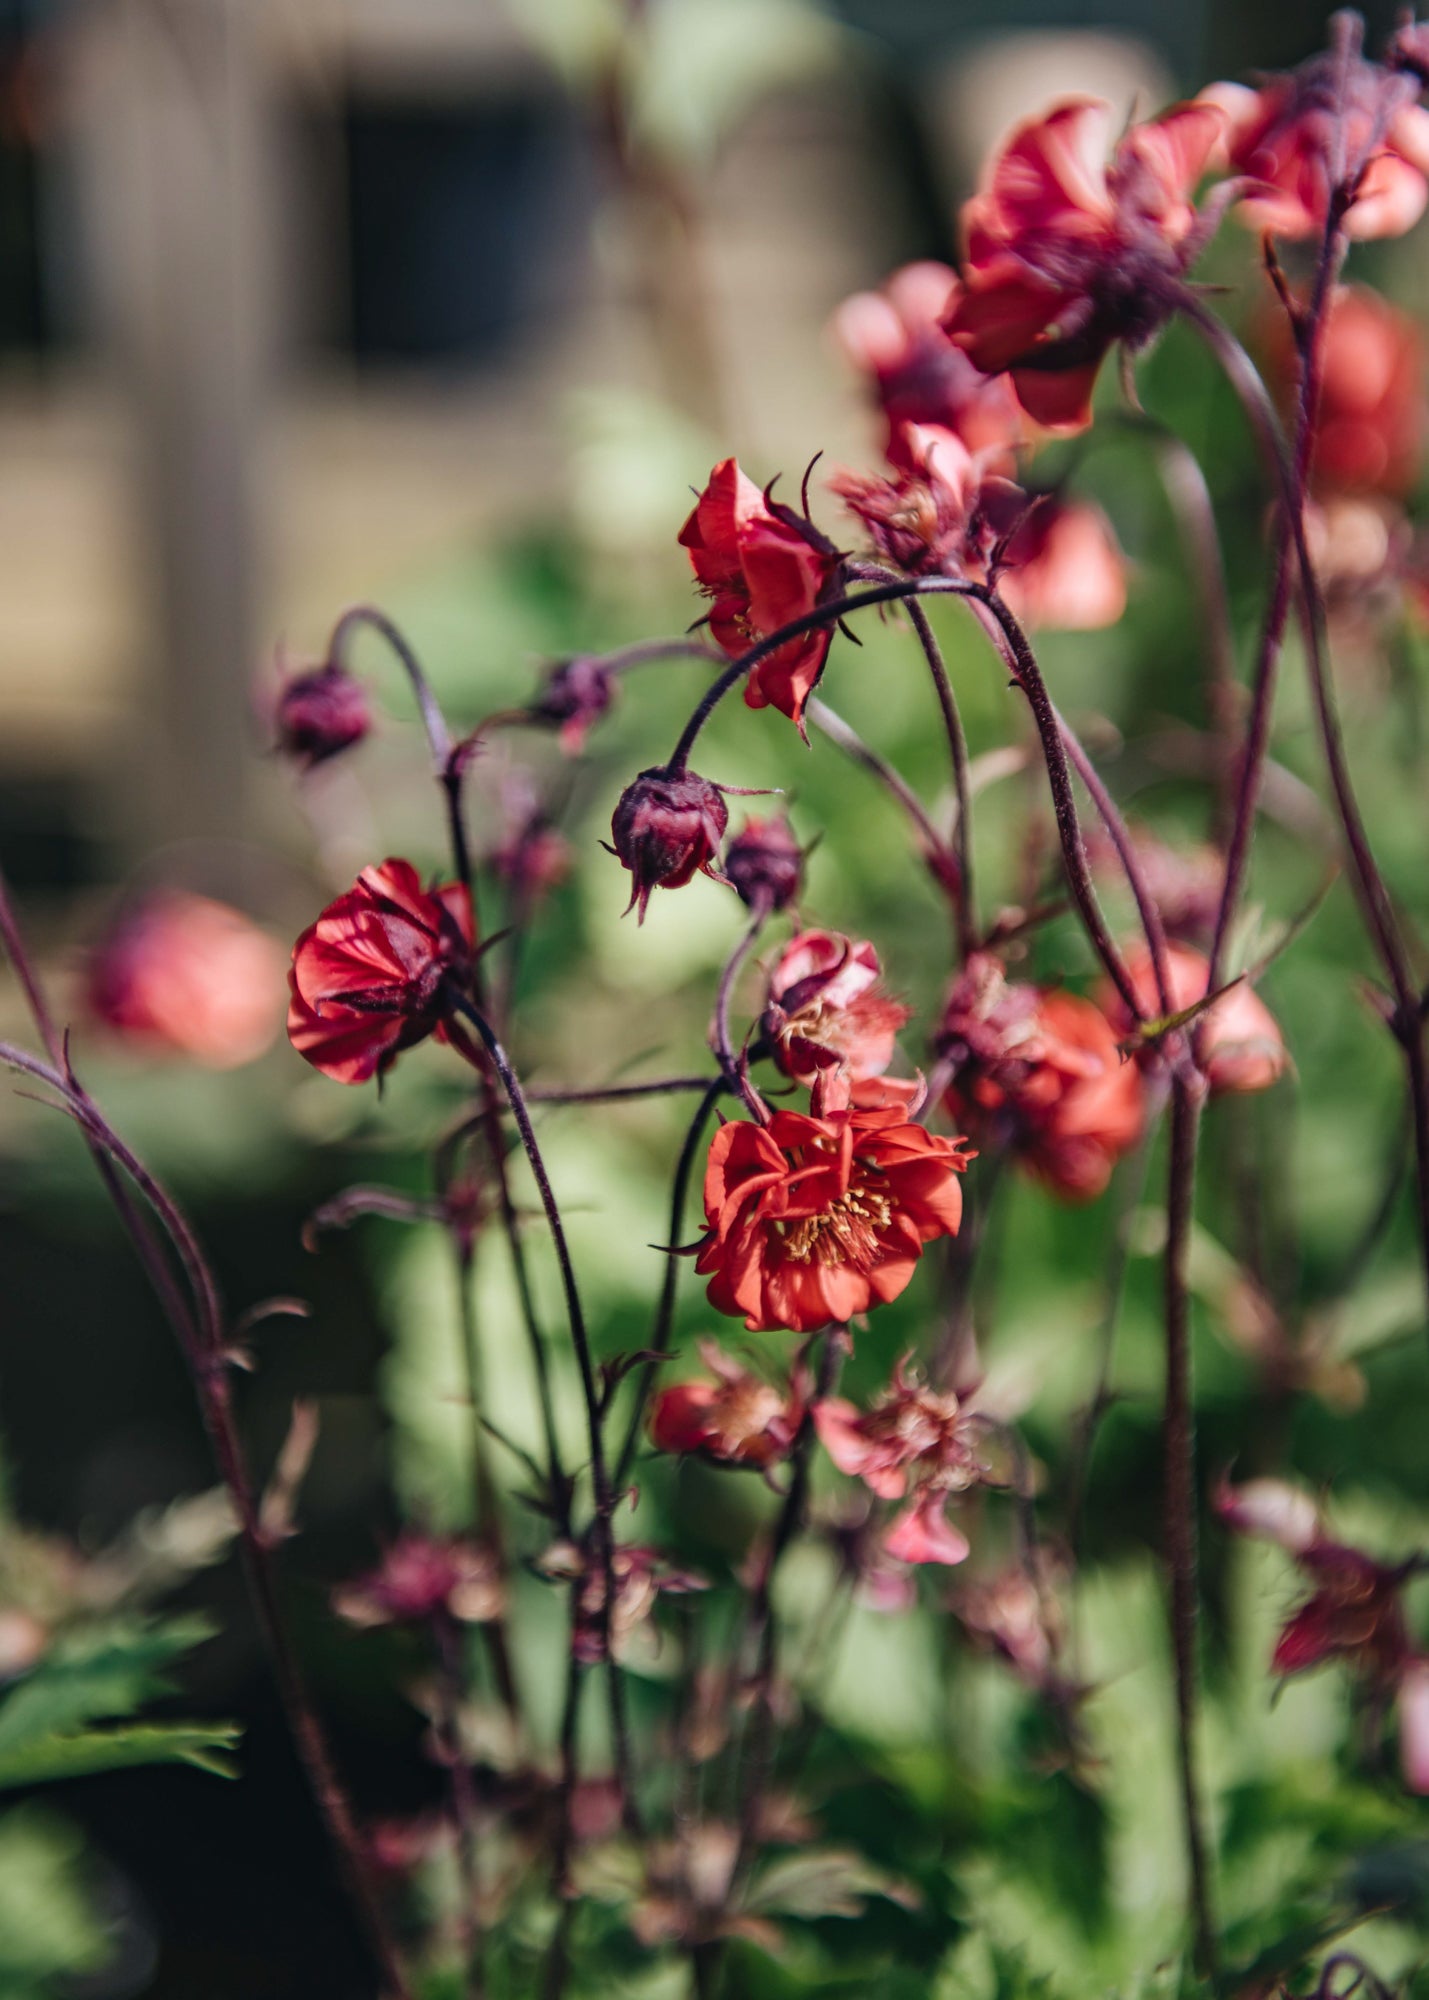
(1068,252)
(913,1444)
(575,696)
(1337,123)
(827,1009)
(640,1575)
(320,713)
(919,515)
(895,337)
(1239,1043)
(183,975)
(1371,418)
(736,1419)
(810,1220)
(370,978)
(421,1577)
(1039,1072)
(667,827)
(764,864)
(762,565)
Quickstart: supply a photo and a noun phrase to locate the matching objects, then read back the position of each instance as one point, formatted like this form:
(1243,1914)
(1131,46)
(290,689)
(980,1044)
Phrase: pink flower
(827,1009)
(1065,570)
(920,515)
(421,1577)
(1239,1043)
(182,975)
(913,1445)
(667,828)
(763,566)
(1068,252)
(1333,118)
(736,1419)
(1371,420)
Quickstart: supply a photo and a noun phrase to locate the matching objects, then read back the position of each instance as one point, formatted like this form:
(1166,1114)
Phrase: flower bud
(319,714)
(765,864)
(576,695)
(666,828)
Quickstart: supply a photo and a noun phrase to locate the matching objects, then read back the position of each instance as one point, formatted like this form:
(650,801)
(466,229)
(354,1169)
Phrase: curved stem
(852,744)
(614,1093)
(964,896)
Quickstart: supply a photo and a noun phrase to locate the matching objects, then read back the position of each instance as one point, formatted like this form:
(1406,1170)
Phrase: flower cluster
(915,1445)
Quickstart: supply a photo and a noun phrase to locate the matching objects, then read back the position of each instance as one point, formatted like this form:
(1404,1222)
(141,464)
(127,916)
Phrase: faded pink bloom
(180,974)
(827,1009)
(1414,1726)
(1272,1510)
(913,1445)
(421,1577)
(1065,569)
(1240,1045)
(1069,251)
(920,515)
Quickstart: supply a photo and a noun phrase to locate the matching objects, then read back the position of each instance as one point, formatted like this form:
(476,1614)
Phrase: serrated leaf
(93,1676)
(204,1745)
(831,1883)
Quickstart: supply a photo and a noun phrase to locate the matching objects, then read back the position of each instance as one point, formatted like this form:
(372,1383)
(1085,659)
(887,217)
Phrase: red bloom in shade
(1239,1043)
(640,1575)
(816,1219)
(1065,569)
(667,828)
(369,977)
(422,1577)
(736,1419)
(1067,252)
(896,338)
(913,1444)
(1290,133)
(763,565)
(319,714)
(827,1009)
(1039,1071)
(182,975)
(1372,416)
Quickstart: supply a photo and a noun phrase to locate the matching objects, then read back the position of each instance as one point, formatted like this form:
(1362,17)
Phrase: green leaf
(204,1745)
(87,1677)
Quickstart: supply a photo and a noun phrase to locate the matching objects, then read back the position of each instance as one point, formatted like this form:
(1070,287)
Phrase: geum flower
(374,974)
(320,713)
(1336,125)
(1068,252)
(183,975)
(1238,1042)
(913,1445)
(1354,1613)
(736,1418)
(812,1220)
(762,565)
(1372,416)
(666,829)
(639,1575)
(1038,1071)
(827,1009)
(421,1577)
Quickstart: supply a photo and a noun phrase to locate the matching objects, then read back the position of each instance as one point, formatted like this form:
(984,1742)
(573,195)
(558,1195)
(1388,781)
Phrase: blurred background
(444,305)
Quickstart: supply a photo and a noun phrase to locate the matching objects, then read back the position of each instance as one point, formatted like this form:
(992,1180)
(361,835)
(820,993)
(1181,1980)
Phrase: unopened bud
(576,695)
(319,714)
(666,828)
(765,864)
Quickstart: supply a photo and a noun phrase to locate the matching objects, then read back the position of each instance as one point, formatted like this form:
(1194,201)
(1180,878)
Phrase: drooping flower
(667,828)
(1372,417)
(421,1577)
(1068,252)
(737,1418)
(920,515)
(810,1220)
(1239,1042)
(575,695)
(762,565)
(183,975)
(373,975)
(765,864)
(639,1574)
(896,339)
(827,1009)
(321,713)
(1335,123)
(1038,1071)
(913,1445)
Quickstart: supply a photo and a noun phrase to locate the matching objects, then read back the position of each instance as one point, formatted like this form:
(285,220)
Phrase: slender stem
(439,740)
(848,740)
(964,898)
(558,1955)
(645,652)
(1180,1503)
(736,1068)
(612,1093)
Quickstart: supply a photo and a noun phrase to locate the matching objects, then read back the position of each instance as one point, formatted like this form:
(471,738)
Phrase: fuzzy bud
(576,695)
(666,828)
(320,714)
(765,864)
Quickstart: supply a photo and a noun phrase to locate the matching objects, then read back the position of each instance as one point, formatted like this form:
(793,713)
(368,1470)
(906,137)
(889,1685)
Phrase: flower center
(845,1233)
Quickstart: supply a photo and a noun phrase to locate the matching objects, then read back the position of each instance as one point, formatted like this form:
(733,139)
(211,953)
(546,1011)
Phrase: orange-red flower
(183,975)
(370,978)
(1068,251)
(1039,1072)
(735,1419)
(1372,417)
(827,1009)
(763,566)
(913,1444)
(816,1219)
(1240,1045)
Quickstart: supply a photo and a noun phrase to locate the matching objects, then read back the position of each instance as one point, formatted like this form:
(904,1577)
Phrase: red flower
(1240,1045)
(921,515)
(369,977)
(1371,421)
(827,1009)
(667,827)
(318,715)
(736,1419)
(896,338)
(1290,135)
(182,975)
(763,565)
(1040,1073)
(913,1444)
(1064,568)
(817,1219)
(1067,253)
(421,1577)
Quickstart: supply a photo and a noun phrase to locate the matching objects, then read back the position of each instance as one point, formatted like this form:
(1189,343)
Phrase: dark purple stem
(735,1067)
